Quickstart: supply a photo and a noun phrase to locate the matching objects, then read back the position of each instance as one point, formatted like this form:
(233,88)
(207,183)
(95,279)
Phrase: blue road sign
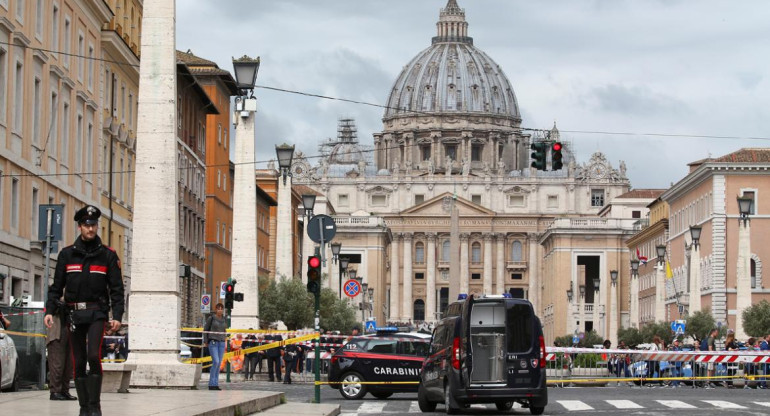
(352,288)
(370,326)
(678,326)
(575,339)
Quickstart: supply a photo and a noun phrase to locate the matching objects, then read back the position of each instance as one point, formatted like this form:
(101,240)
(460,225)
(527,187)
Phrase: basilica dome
(452,76)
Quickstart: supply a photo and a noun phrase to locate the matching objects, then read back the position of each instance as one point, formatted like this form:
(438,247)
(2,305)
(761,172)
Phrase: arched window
(476,252)
(516,251)
(419,252)
(445,250)
(419,310)
(753,274)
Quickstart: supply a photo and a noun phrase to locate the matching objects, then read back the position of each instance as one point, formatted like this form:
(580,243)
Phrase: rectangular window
(67,41)
(20,11)
(122,103)
(476,152)
(130,176)
(38,98)
(65,134)
(18,99)
(54,128)
(451,151)
(90,67)
(516,276)
(597,197)
(219,133)
(476,199)
(39,19)
(131,111)
(553,201)
(218,240)
(55,28)
(516,200)
(224,235)
(81,54)
(752,195)
(89,148)
(224,182)
(475,276)
(219,178)
(79,145)
(419,199)
(225,139)
(15,204)
(419,276)
(379,200)
(34,216)
(3,85)
(425,153)
(120,180)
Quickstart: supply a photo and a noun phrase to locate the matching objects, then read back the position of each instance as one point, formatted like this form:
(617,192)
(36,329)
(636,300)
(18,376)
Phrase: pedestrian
(5,323)
(676,346)
(112,347)
(749,369)
(709,344)
(764,346)
(290,357)
(88,276)
(236,360)
(250,358)
(59,352)
(730,345)
(214,337)
(274,357)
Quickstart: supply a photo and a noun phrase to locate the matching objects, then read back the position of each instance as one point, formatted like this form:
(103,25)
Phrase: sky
(672,68)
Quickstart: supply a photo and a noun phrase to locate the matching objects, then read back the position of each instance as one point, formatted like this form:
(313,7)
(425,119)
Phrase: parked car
(9,362)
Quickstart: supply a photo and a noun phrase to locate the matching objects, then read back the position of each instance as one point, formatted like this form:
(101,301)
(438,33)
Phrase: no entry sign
(352,288)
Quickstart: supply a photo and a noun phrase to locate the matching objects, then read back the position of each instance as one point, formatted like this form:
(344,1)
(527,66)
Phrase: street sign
(352,288)
(575,339)
(222,290)
(321,226)
(370,326)
(678,326)
(205,303)
(56,222)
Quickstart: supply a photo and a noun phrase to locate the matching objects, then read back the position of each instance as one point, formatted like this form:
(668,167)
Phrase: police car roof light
(386,329)
(507,296)
(462,296)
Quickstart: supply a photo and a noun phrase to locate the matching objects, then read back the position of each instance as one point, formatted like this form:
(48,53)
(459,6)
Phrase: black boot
(81,386)
(94,394)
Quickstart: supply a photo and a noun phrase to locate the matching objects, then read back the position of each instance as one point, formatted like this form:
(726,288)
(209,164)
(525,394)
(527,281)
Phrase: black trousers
(274,367)
(250,364)
(290,364)
(86,344)
(60,363)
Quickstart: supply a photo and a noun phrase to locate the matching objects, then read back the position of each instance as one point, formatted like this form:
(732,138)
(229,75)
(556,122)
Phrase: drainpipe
(112,115)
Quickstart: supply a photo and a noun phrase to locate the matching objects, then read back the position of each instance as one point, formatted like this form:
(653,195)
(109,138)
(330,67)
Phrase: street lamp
(336,247)
(596,284)
(661,251)
(569,295)
(344,262)
(308,202)
(634,268)
(695,234)
(582,290)
(744,206)
(285,153)
(245,69)
(614,276)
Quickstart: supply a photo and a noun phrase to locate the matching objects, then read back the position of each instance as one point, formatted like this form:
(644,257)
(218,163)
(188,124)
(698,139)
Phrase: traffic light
(229,295)
(538,155)
(314,274)
(556,158)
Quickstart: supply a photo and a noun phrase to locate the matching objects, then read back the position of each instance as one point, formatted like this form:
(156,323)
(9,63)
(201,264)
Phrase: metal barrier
(28,334)
(586,366)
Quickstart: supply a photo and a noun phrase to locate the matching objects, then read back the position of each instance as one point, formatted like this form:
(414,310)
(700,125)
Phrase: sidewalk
(141,402)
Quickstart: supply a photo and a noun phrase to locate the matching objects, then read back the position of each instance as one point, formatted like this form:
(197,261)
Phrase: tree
(756,319)
(699,324)
(630,336)
(336,314)
(661,329)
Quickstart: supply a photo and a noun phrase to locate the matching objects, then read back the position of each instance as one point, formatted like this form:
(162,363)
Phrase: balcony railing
(344,220)
(516,265)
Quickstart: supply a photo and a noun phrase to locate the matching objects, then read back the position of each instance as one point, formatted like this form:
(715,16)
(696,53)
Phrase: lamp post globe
(308,203)
(614,276)
(246,70)
(661,252)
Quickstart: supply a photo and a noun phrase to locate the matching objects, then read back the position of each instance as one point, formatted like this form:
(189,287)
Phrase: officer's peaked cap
(89,214)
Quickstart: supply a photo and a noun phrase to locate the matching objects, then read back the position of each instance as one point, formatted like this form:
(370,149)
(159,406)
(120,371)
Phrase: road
(579,400)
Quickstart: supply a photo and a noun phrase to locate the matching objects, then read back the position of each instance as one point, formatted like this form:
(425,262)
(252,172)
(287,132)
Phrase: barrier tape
(646,355)
(242,351)
(23,313)
(21,334)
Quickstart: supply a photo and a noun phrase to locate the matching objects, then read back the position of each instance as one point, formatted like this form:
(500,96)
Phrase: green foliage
(661,329)
(630,336)
(699,324)
(586,360)
(590,339)
(756,319)
(336,314)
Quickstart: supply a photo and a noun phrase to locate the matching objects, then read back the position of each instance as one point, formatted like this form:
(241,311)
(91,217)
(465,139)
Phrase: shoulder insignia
(111,249)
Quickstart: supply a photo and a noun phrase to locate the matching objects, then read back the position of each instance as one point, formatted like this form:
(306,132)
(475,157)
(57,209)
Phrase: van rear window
(520,324)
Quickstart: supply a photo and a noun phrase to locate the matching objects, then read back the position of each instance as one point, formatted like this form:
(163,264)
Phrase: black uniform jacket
(88,273)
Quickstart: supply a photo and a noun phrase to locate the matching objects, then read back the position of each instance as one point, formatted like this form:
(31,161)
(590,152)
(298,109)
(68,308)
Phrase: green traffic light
(538,155)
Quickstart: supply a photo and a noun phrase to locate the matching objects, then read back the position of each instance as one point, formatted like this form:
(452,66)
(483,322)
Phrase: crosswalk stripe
(372,407)
(676,404)
(414,407)
(766,404)
(723,404)
(624,404)
(573,405)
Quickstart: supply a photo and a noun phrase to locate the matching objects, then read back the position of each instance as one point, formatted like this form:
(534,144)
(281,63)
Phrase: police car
(385,357)
(9,362)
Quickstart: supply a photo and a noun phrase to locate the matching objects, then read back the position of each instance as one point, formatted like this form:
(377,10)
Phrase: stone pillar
(155,310)
(335,280)
(406,302)
(395,286)
(581,313)
(500,284)
(613,315)
(430,302)
(634,302)
(743,275)
(284,254)
(596,318)
(695,303)
(660,293)
(487,264)
(308,249)
(464,266)
(533,288)
(244,262)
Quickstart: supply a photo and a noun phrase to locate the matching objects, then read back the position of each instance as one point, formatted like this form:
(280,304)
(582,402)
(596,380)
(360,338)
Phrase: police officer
(274,356)
(88,276)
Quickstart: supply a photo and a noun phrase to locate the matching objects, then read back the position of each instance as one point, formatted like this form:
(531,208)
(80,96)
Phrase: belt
(81,306)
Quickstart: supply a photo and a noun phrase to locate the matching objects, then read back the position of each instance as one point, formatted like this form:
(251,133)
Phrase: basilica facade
(445,201)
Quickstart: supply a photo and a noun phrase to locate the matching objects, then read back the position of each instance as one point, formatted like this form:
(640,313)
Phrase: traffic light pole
(227,344)
(317,296)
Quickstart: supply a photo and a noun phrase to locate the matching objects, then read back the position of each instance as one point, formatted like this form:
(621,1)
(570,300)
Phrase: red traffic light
(556,147)
(314,261)
(229,288)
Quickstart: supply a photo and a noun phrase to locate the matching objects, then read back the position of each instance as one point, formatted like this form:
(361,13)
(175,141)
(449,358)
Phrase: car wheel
(351,387)
(422,400)
(449,406)
(535,410)
(504,406)
(381,394)
(15,382)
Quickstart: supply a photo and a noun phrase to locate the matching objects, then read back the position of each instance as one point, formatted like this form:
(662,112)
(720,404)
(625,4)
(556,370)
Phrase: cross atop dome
(451,25)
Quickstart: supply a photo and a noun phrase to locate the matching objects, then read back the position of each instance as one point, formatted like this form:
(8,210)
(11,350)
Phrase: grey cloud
(635,101)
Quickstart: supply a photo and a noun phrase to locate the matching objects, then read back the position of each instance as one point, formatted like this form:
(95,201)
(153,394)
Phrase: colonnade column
(533,287)
(430,297)
(394,278)
(464,266)
(695,304)
(500,285)
(660,293)
(407,299)
(488,263)
(634,301)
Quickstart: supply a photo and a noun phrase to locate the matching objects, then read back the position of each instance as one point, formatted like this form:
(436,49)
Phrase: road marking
(371,407)
(723,404)
(624,404)
(574,405)
(414,407)
(676,404)
(766,404)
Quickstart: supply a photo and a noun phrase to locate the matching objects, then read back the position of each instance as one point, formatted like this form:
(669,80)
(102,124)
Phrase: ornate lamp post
(285,153)
(284,247)
(570,308)
(344,262)
(635,293)
(660,285)
(695,304)
(582,307)
(613,315)
(308,203)
(596,317)
(743,275)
